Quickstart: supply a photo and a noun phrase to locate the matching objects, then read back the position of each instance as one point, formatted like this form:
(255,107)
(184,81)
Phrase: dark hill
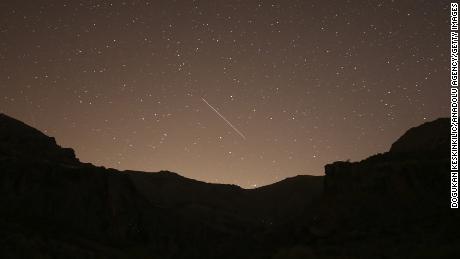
(391,205)
(430,136)
(52,205)
(19,140)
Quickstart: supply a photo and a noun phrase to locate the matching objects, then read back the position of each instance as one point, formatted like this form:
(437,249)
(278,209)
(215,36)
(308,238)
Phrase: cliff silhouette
(391,205)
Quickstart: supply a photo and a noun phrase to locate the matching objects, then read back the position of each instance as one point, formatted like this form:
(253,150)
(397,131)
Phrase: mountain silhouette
(391,205)
(18,140)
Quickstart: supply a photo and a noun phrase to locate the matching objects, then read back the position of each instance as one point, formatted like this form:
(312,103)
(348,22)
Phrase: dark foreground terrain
(391,205)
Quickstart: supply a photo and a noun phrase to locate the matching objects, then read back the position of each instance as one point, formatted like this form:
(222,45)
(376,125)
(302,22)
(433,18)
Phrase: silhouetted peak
(430,136)
(13,127)
(427,143)
(19,140)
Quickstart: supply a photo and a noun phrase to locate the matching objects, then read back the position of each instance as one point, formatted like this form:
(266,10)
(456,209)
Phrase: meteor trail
(220,115)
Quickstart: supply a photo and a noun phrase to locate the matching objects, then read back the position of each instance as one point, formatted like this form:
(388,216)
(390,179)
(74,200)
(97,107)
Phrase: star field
(306,82)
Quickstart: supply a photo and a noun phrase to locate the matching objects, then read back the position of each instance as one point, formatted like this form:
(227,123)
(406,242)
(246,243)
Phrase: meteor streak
(220,115)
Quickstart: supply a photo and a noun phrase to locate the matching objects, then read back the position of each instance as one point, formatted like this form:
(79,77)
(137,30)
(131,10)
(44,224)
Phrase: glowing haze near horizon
(306,82)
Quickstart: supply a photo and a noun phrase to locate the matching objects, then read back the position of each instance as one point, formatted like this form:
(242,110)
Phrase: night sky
(238,92)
